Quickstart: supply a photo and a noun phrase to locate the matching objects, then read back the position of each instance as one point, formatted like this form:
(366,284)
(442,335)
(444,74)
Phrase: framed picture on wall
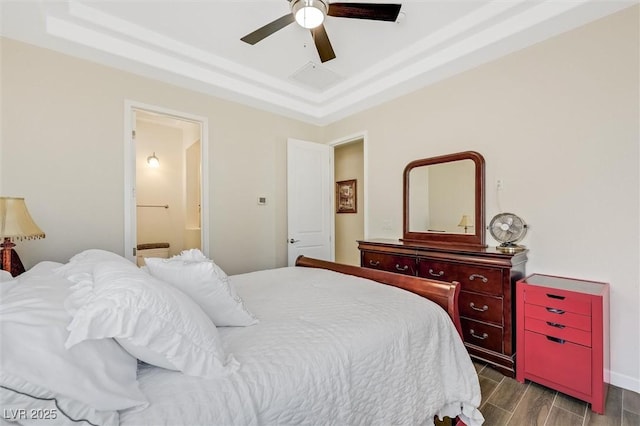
(346,196)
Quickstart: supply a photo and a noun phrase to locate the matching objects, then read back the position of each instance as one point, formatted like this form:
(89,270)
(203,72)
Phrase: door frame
(130,213)
(362,135)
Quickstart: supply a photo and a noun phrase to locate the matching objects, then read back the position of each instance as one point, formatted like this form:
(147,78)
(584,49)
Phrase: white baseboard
(624,381)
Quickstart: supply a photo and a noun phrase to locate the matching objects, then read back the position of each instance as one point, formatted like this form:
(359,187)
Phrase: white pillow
(86,260)
(206,284)
(123,302)
(90,381)
(5,276)
(191,255)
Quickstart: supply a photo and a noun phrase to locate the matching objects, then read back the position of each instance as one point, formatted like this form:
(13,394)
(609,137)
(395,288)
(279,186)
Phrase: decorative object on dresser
(439,191)
(508,229)
(347,196)
(16,224)
(563,336)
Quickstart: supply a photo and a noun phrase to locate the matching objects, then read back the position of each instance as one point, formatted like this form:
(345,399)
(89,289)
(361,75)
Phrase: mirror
(444,200)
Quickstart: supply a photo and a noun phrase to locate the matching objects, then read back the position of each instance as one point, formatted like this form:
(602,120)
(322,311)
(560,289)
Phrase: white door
(309,200)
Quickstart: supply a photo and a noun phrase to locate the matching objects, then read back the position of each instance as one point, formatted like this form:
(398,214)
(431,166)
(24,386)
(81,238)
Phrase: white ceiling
(196,44)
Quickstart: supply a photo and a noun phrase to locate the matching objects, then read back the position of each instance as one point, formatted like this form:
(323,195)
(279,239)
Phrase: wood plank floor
(508,402)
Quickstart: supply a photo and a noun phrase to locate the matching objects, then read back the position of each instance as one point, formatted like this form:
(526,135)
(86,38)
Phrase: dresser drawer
(558,316)
(559,331)
(481,334)
(472,278)
(557,299)
(481,307)
(389,262)
(558,361)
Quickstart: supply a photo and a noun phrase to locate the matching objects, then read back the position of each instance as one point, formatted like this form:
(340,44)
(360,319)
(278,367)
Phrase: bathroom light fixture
(309,13)
(15,225)
(153,161)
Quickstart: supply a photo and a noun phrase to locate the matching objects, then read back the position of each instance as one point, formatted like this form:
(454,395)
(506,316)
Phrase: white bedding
(329,349)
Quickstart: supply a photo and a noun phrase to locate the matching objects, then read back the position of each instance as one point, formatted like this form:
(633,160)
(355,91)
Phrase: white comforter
(329,349)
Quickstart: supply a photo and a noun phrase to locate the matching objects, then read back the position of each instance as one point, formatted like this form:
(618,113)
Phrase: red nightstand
(562,339)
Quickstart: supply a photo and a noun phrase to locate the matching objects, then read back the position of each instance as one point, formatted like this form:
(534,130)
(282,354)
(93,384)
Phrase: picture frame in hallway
(346,196)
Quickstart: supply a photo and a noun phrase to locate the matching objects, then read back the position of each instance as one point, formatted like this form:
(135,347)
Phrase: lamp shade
(16,222)
(465,221)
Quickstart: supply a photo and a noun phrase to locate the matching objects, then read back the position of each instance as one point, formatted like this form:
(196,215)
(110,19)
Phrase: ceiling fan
(311,13)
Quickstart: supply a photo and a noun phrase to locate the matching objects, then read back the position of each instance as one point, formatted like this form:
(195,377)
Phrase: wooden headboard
(444,294)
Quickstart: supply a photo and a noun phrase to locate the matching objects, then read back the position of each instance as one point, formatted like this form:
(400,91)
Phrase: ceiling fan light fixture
(309,13)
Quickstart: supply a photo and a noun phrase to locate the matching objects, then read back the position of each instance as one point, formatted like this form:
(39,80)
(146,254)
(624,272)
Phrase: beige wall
(558,123)
(63,123)
(349,164)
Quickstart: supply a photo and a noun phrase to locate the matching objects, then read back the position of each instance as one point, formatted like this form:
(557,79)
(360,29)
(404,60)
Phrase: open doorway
(166,212)
(349,174)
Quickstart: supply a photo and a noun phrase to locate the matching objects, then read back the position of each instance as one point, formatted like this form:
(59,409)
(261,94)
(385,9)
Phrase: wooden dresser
(487,298)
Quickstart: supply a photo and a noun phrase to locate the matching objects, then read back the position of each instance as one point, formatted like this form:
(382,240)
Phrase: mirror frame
(477,239)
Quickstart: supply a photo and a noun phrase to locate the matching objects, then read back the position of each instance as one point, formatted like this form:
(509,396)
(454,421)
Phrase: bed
(318,343)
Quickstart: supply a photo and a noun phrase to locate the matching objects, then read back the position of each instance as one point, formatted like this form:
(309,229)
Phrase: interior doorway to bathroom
(166,183)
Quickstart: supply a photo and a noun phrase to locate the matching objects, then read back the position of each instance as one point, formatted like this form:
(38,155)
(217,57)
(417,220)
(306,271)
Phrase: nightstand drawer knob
(473,306)
(376,263)
(555,339)
(474,276)
(555,296)
(555,311)
(473,333)
(555,324)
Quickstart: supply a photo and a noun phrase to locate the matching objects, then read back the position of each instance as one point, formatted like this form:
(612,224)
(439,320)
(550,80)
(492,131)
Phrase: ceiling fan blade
(267,30)
(375,11)
(321,39)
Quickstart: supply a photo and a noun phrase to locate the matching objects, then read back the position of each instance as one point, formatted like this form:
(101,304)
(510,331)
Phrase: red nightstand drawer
(558,361)
(558,316)
(558,299)
(559,331)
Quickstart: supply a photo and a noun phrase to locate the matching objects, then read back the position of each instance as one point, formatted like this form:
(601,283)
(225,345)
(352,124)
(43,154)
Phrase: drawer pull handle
(376,263)
(473,306)
(474,276)
(555,339)
(484,335)
(401,268)
(555,324)
(433,274)
(555,311)
(555,296)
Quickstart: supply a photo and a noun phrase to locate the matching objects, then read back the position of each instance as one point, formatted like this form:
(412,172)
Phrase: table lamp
(15,225)
(465,223)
